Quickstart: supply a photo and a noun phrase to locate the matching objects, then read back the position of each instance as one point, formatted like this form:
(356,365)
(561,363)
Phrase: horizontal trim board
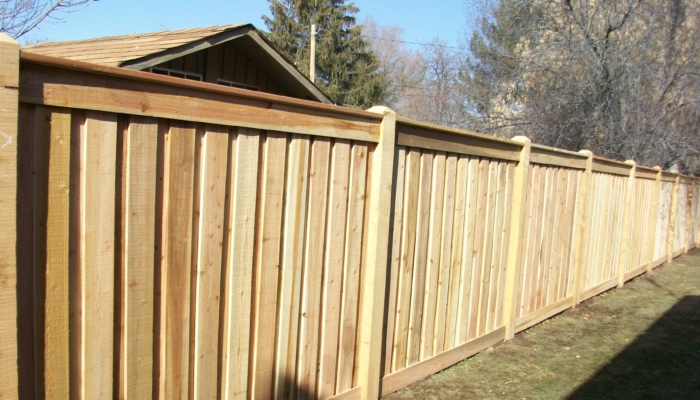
(425,368)
(74,89)
(73,65)
(678,252)
(454,131)
(668,176)
(352,394)
(598,289)
(610,161)
(544,313)
(560,158)
(415,136)
(686,179)
(659,261)
(635,272)
(609,167)
(644,174)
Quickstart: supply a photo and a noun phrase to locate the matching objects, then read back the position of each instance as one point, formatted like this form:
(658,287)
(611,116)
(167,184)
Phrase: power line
(420,44)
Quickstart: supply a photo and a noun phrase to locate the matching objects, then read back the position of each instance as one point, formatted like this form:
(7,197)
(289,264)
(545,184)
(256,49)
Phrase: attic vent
(178,74)
(236,84)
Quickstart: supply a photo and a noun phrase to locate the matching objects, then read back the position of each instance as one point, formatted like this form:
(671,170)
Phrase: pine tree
(346,69)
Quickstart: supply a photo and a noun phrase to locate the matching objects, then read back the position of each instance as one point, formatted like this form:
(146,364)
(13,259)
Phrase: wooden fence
(178,239)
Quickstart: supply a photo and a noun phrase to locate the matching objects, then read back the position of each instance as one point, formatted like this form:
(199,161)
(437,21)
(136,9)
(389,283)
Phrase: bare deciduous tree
(424,84)
(17,17)
(619,78)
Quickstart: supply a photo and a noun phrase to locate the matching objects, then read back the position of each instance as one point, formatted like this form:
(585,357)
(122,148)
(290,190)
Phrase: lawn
(638,342)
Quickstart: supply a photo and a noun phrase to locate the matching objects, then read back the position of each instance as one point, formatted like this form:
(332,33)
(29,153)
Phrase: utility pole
(312,63)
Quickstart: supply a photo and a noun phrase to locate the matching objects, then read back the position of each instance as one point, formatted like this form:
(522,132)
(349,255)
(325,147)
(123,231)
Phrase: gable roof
(144,50)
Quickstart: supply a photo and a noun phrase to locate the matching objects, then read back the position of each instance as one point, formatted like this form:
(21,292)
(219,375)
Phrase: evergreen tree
(346,68)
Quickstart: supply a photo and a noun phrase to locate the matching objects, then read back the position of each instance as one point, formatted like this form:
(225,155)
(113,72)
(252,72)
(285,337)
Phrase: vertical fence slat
(456,256)
(514,262)
(98,147)
(333,267)
(487,249)
(505,246)
(628,214)
(394,266)
(239,264)
(430,283)
(688,214)
(268,257)
(9,81)
(673,219)
(420,258)
(313,267)
(291,264)
(50,251)
(445,252)
(138,258)
(212,193)
(177,261)
(351,269)
(478,249)
(497,241)
(408,243)
(466,283)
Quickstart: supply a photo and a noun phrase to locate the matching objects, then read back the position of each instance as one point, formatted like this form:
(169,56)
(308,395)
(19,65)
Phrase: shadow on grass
(662,363)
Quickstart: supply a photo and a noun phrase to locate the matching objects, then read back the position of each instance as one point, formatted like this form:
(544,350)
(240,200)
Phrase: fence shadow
(662,363)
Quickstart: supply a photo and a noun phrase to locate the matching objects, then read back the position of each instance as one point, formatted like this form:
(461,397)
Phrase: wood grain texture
(352,267)
(292,262)
(517,222)
(420,258)
(176,264)
(444,281)
(374,274)
(456,256)
(212,193)
(395,260)
(239,264)
(51,250)
(313,267)
(432,273)
(408,243)
(628,213)
(9,81)
(476,249)
(333,268)
(116,94)
(138,258)
(268,257)
(487,267)
(498,227)
(96,237)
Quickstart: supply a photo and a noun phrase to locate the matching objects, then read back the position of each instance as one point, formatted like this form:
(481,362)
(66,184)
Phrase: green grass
(641,341)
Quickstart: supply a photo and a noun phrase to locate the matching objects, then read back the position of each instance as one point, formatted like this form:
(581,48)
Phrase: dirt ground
(638,342)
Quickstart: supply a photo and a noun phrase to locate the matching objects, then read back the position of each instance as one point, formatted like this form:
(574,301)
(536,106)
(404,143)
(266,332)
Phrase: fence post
(515,243)
(654,220)
(375,270)
(673,217)
(689,213)
(581,224)
(697,220)
(627,216)
(9,112)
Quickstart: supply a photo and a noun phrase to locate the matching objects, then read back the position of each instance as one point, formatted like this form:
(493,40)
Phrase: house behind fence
(167,238)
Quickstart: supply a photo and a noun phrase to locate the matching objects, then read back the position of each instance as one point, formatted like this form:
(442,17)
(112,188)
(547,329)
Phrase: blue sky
(422,20)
